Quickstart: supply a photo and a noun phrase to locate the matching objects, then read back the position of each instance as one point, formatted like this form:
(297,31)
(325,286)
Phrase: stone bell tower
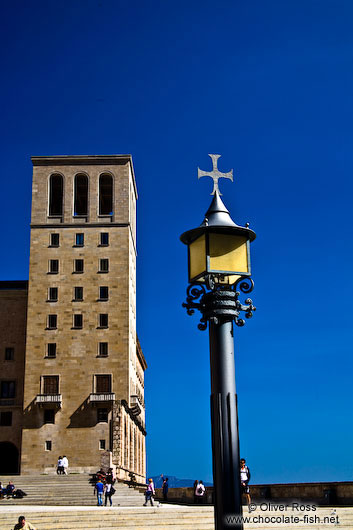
(84,368)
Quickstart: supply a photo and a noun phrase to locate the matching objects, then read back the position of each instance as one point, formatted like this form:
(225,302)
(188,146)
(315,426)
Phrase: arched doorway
(9,463)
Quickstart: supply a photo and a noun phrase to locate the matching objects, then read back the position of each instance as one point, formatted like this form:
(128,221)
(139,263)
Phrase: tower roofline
(82,160)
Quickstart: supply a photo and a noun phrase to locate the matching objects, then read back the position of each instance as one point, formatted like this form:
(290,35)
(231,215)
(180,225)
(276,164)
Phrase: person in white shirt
(200,492)
(244,480)
(65,464)
(108,493)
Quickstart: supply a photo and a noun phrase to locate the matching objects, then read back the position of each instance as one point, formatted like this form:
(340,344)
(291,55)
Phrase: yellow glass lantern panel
(197,256)
(228,253)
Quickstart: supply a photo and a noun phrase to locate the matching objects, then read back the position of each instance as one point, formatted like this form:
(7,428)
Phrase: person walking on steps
(99,488)
(149,493)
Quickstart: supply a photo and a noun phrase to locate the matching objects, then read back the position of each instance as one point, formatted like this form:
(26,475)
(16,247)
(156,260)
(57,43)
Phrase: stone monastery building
(71,366)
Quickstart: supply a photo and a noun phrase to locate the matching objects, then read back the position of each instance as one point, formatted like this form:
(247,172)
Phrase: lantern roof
(217,219)
(217,214)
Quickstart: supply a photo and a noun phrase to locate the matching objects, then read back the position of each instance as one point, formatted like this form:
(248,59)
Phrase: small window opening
(78,265)
(7,389)
(103,293)
(102,445)
(52,321)
(79,240)
(104,239)
(103,320)
(5,419)
(78,294)
(54,240)
(53,266)
(78,321)
(104,265)
(51,349)
(9,354)
(103,349)
(49,417)
(53,294)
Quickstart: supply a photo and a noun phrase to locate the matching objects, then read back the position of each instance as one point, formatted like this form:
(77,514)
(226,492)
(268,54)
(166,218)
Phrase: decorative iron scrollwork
(193,292)
(220,303)
(245,284)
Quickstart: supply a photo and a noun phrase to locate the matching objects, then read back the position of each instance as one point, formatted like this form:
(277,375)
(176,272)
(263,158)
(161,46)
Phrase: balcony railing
(101,398)
(51,399)
(136,400)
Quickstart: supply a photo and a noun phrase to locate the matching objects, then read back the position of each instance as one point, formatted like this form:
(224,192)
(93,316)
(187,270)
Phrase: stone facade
(84,368)
(13,310)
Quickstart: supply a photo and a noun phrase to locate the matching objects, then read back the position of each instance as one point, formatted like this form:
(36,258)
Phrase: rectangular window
(50,384)
(53,294)
(103,293)
(78,294)
(103,384)
(104,240)
(78,265)
(7,389)
(104,265)
(9,354)
(49,417)
(52,321)
(79,240)
(102,415)
(48,442)
(54,240)
(51,349)
(102,445)
(78,321)
(103,320)
(103,349)
(5,419)
(53,266)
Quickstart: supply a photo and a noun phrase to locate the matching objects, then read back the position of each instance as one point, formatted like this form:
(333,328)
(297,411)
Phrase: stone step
(167,517)
(67,490)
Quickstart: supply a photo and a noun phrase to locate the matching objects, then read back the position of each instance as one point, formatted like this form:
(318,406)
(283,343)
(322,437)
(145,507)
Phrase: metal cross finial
(215,174)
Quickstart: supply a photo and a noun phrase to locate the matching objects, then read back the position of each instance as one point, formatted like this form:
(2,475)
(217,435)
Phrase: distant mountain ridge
(175,482)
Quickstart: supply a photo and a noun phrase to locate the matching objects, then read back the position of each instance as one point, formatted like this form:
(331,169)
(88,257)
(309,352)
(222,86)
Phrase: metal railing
(101,397)
(48,398)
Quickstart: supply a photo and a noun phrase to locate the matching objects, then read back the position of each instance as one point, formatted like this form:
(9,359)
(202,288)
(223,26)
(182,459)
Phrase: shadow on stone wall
(84,416)
(33,415)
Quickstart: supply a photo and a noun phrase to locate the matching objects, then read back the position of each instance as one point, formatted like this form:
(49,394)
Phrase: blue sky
(268,85)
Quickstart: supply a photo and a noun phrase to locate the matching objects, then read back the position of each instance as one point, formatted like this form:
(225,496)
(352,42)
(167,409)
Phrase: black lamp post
(219,265)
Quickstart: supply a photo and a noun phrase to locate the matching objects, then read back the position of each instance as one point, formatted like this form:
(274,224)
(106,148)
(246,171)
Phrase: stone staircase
(167,517)
(66,490)
(149,518)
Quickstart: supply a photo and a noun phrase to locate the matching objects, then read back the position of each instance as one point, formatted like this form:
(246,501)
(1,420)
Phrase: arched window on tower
(81,195)
(105,195)
(55,194)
